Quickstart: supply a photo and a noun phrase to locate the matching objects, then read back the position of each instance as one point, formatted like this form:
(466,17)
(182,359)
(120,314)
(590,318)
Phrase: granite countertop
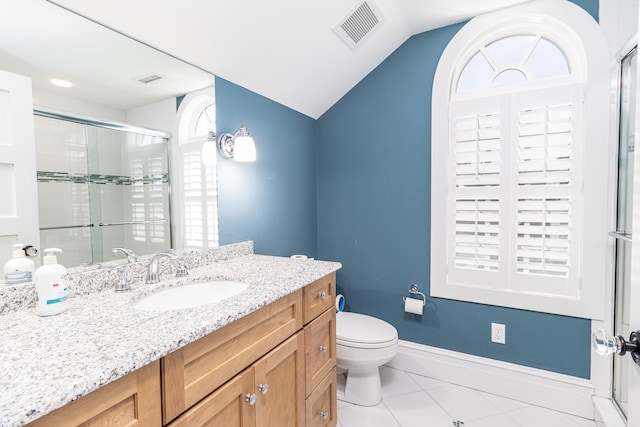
(47,362)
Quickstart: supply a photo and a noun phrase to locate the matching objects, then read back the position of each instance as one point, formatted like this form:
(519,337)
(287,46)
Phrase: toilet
(363,344)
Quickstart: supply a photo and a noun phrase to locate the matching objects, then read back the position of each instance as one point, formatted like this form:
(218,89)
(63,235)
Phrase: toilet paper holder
(415,290)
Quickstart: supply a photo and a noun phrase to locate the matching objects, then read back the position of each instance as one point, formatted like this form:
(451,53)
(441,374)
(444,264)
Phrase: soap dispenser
(18,269)
(51,288)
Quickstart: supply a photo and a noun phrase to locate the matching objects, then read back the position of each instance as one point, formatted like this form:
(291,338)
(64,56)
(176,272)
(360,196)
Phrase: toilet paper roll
(299,257)
(413,305)
(339,302)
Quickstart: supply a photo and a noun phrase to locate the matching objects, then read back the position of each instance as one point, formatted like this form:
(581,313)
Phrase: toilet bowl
(363,344)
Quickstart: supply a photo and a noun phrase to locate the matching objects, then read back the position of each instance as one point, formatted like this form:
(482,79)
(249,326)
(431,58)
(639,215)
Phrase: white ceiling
(43,41)
(285,50)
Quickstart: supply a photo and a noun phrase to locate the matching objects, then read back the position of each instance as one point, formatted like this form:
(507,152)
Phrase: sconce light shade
(209,150)
(239,146)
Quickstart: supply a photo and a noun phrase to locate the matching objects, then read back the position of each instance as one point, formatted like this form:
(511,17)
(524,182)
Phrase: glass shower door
(623,261)
(129,189)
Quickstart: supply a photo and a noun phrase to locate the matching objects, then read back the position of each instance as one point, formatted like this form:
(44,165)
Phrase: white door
(18,181)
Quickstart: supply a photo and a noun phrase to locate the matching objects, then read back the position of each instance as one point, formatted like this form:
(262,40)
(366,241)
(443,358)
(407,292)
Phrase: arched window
(524,136)
(197,190)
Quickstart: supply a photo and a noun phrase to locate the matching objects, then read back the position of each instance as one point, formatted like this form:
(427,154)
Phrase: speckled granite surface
(46,362)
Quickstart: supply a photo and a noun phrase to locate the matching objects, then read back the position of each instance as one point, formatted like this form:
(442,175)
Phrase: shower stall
(101,185)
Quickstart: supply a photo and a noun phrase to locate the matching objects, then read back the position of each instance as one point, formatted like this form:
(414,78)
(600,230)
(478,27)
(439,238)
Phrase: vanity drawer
(321,406)
(194,371)
(320,349)
(319,296)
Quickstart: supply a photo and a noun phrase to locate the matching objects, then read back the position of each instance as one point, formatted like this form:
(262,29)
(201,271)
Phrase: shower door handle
(620,235)
(606,344)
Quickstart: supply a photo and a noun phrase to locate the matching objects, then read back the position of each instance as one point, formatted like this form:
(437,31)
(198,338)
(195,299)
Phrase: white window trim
(571,23)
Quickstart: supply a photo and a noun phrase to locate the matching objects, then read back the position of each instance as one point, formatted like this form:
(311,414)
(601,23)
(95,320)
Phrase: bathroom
(353,185)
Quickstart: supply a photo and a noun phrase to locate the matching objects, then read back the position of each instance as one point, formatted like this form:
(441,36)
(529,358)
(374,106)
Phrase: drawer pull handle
(322,295)
(251,398)
(323,348)
(263,388)
(324,415)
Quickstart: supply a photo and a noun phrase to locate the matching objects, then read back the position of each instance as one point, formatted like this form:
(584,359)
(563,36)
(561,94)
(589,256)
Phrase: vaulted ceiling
(285,50)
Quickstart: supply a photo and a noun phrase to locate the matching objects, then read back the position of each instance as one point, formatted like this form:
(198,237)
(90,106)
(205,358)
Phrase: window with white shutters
(509,166)
(198,165)
(514,199)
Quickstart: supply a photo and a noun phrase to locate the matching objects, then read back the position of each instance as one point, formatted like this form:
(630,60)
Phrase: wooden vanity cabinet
(289,346)
(320,352)
(133,400)
(272,368)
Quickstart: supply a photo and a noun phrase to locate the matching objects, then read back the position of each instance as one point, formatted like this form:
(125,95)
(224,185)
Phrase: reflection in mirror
(115,80)
(100,188)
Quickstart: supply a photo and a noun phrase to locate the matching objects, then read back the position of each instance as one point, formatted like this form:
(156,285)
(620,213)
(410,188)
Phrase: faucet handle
(123,282)
(181,268)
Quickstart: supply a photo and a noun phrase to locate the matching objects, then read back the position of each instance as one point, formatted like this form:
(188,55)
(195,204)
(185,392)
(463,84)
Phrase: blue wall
(372,151)
(374,214)
(271,201)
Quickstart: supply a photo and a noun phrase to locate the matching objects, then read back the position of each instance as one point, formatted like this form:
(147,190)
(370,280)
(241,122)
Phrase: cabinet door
(280,385)
(133,400)
(226,407)
(320,349)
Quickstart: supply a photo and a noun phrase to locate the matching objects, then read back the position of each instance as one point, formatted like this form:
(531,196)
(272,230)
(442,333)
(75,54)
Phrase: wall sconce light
(239,146)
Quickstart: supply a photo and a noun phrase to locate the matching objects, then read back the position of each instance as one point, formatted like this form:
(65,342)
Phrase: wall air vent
(358,23)
(149,78)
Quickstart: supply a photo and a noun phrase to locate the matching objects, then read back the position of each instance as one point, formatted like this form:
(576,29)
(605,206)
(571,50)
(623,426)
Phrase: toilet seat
(361,331)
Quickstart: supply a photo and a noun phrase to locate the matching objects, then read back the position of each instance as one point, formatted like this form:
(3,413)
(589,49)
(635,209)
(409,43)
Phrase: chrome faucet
(131,257)
(153,275)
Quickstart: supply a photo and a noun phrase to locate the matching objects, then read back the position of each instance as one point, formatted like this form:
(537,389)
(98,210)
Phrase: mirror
(115,80)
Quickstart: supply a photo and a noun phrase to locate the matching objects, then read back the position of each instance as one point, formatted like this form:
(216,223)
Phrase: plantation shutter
(476,230)
(200,195)
(547,188)
(514,192)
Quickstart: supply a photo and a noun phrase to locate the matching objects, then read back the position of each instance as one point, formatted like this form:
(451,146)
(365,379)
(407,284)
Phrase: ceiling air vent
(149,78)
(358,23)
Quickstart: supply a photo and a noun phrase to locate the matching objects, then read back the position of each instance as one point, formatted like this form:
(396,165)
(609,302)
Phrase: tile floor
(410,400)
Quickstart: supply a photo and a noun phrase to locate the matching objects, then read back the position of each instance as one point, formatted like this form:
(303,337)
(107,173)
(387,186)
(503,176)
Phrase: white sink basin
(188,296)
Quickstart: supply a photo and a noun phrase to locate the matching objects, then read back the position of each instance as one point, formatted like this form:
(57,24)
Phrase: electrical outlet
(498,333)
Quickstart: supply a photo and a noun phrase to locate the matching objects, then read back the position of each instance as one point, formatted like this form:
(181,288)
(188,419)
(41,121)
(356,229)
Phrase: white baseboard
(559,392)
